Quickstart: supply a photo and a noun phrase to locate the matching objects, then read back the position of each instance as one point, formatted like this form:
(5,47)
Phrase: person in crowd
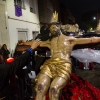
(44,33)
(41,54)
(1,55)
(7,70)
(24,82)
(6,52)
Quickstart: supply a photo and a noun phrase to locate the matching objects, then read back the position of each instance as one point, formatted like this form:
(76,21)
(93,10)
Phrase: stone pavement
(93,76)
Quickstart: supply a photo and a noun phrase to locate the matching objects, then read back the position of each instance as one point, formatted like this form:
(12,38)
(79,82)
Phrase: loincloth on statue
(56,68)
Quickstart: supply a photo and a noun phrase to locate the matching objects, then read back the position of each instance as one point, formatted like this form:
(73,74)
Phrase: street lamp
(94,18)
(94,22)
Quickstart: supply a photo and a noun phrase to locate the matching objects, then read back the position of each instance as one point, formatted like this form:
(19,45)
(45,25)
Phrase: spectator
(41,55)
(7,70)
(1,55)
(24,82)
(5,52)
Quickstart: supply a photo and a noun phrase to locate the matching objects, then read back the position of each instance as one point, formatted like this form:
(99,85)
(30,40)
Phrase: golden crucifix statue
(55,72)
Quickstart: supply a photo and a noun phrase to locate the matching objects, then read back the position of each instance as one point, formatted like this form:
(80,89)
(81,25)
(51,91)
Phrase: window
(32,6)
(35,33)
(23,4)
(22,35)
(20,3)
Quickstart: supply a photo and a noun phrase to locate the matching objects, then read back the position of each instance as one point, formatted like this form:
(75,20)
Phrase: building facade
(22,19)
(19,20)
(46,10)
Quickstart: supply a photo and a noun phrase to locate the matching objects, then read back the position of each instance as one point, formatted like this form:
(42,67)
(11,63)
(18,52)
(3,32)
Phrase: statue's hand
(35,43)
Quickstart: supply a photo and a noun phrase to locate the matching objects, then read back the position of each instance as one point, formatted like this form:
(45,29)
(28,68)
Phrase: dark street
(92,76)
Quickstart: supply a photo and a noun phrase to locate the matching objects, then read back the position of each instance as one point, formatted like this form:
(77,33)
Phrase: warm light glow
(91,29)
(9,60)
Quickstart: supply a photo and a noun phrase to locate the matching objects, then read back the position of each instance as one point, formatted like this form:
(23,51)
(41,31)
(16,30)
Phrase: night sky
(80,7)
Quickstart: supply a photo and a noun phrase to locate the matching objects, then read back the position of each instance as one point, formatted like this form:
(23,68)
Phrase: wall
(3,29)
(46,10)
(28,21)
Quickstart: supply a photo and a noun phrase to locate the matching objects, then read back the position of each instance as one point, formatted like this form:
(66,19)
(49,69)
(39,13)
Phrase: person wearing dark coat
(1,57)
(7,70)
(41,54)
(6,52)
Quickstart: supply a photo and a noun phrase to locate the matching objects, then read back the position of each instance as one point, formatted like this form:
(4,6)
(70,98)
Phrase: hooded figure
(41,55)
(44,33)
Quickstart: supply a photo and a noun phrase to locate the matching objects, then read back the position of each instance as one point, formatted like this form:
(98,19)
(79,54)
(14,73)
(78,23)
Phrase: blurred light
(91,29)
(10,60)
(94,18)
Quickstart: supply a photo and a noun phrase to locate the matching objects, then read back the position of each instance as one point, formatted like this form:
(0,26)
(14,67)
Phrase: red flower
(78,89)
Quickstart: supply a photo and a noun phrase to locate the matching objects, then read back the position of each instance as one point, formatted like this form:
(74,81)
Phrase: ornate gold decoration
(70,28)
(55,17)
(98,28)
